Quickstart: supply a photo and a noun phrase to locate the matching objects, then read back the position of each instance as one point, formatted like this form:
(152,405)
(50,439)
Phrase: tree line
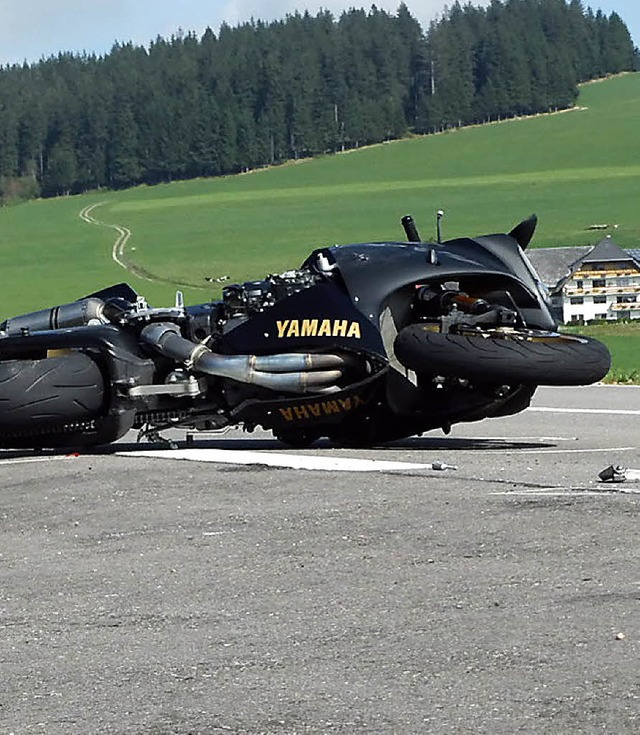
(262,93)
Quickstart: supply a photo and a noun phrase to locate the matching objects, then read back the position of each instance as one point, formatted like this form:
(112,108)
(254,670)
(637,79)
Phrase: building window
(598,283)
(577,317)
(579,284)
(576,300)
(599,299)
(601,316)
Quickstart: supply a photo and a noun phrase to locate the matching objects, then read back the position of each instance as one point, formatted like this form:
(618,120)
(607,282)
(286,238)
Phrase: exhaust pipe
(289,373)
(77,314)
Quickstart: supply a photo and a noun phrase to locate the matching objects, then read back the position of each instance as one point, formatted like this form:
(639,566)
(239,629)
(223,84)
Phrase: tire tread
(552,360)
(64,388)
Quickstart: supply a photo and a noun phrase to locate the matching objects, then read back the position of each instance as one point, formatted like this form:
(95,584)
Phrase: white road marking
(292,461)
(565,492)
(564,451)
(605,411)
(28,460)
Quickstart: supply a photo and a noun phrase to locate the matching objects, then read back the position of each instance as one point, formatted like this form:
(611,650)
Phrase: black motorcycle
(362,344)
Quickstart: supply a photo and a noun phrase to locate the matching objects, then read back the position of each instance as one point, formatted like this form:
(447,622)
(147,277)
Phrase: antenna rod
(439,232)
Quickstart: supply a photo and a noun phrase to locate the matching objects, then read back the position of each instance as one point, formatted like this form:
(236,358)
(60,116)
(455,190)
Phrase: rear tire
(54,396)
(537,359)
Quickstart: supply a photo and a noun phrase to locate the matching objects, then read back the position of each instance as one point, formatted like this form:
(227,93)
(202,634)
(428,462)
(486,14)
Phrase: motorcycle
(362,344)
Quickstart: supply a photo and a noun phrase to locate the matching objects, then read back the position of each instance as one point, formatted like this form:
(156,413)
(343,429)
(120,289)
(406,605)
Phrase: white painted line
(292,461)
(605,411)
(28,460)
(554,492)
(565,451)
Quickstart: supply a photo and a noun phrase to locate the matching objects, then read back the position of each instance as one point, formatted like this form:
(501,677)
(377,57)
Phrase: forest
(260,93)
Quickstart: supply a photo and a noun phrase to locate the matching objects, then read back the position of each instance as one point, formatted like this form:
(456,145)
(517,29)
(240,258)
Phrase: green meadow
(623,341)
(574,169)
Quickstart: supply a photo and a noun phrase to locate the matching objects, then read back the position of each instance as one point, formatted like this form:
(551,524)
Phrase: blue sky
(31,29)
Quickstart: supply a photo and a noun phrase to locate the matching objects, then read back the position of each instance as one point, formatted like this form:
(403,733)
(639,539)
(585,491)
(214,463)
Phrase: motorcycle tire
(49,394)
(512,358)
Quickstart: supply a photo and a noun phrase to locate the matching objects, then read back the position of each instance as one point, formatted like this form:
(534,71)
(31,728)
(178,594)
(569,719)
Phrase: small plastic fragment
(443,466)
(618,473)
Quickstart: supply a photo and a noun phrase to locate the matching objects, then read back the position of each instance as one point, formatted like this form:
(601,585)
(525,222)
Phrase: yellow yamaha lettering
(287,414)
(307,411)
(330,407)
(340,328)
(309,328)
(318,328)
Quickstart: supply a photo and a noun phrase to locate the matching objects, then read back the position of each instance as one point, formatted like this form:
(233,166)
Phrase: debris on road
(618,473)
(443,466)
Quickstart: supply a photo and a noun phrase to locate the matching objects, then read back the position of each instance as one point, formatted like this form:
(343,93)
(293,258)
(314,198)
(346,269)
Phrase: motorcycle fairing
(318,319)
(296,412)
(117,291)
(523,232)
(373,271)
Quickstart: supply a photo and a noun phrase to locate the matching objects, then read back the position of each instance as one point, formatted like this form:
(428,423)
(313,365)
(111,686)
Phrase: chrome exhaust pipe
(289,373)
(77,314)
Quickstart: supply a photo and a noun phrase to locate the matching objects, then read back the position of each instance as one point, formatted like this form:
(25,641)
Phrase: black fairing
(373,271)
(302,321)
(118,291)
(523,232)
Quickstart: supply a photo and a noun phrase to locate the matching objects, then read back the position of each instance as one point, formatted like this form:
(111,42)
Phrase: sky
(33,29)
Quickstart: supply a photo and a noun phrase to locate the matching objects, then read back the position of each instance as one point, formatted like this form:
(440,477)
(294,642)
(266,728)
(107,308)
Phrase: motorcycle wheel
(537,358)
(55,396)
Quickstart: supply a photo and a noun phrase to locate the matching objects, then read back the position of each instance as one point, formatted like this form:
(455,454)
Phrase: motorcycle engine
(242,300)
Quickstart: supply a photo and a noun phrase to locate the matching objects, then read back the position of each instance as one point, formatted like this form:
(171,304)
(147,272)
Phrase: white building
(595,283)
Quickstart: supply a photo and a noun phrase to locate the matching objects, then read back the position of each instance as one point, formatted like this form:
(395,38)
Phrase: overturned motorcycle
(362,344)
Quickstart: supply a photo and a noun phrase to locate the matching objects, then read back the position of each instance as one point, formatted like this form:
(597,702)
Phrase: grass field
(573,169)
(623,341)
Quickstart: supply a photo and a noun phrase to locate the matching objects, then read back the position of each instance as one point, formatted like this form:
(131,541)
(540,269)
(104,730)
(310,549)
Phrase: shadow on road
(269,444)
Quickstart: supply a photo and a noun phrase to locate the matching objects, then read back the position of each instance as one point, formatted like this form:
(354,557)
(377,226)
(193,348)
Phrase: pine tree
(260,93)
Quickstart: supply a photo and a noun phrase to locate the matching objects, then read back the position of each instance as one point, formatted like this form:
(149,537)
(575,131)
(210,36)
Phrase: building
(591,283)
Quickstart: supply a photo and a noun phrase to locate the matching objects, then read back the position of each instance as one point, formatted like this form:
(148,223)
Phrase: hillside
(263,93)
(573,169)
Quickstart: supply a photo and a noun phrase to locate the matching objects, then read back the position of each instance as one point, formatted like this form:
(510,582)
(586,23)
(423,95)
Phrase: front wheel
(536,358)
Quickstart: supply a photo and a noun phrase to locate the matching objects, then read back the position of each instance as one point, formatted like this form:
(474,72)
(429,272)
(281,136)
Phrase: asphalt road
(162,596)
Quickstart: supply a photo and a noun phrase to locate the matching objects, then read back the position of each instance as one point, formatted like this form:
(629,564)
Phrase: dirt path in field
(118,249)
